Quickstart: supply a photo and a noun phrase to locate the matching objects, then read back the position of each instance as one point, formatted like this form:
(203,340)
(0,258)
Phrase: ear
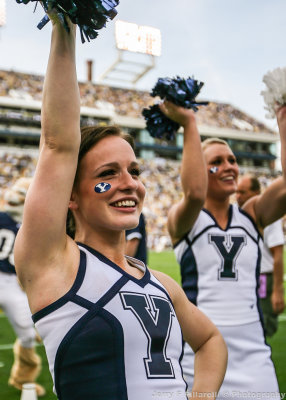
(73,203)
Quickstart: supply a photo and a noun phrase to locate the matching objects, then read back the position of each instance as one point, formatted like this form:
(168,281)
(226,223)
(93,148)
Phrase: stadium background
(20,101)
(254,144)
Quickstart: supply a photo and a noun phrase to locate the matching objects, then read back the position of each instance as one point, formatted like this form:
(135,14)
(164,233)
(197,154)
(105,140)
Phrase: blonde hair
(208,142)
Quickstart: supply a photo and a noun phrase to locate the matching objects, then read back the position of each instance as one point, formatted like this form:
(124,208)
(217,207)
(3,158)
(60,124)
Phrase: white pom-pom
(275,94)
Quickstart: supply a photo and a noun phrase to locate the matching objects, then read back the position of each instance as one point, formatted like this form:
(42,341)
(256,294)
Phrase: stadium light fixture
(138,38)
(2,13)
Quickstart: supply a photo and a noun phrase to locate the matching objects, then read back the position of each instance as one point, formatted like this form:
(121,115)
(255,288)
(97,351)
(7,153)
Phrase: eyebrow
(115,165)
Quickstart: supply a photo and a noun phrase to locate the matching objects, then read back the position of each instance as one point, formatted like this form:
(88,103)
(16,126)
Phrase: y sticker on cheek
(213,170)
(102,187)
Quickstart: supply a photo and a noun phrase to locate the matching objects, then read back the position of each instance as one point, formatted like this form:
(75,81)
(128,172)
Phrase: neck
(110,244)
(217,205)
(219,209)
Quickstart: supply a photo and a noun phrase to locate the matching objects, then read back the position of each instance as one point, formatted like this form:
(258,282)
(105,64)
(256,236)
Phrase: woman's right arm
(193,173)
(42,240)
(204,338)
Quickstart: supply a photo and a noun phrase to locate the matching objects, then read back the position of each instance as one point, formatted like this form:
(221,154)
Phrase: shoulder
(173,288)
(249,207)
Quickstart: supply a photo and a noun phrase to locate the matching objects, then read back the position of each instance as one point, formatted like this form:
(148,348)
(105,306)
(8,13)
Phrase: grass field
(162,261)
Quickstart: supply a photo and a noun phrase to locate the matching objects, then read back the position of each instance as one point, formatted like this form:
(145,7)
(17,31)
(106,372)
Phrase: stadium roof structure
(124,106)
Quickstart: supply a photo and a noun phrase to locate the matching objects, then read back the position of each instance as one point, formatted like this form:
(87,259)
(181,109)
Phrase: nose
(127,182)
(229,165)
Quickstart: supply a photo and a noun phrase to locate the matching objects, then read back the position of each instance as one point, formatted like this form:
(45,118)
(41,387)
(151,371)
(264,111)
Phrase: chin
(131,225)
(128,223)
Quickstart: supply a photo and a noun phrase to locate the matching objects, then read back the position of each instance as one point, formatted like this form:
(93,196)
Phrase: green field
(162,261)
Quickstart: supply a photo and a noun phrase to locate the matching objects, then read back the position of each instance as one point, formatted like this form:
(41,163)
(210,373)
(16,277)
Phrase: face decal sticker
(102,187)
(213,170)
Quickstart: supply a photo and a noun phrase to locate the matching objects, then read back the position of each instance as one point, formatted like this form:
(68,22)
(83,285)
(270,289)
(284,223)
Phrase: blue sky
(228,44)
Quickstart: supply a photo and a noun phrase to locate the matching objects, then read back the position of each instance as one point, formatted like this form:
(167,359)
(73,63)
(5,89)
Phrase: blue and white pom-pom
(89,15)
(275,95)
(179,91)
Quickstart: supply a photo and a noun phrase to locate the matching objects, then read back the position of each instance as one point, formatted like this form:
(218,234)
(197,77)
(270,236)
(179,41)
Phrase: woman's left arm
(204,338)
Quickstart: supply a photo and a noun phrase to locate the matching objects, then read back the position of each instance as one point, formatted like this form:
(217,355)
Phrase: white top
(112,336)
(273,236)
(220,268)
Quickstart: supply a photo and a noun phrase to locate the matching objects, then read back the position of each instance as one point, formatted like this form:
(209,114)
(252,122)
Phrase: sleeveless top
(112,336)
(220,267)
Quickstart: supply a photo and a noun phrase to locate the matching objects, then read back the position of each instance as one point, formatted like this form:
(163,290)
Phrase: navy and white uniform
(139,233)
(220,271)
(13,299)
(112,336)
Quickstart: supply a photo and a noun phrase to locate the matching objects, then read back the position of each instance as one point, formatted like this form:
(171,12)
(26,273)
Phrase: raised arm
(42,239)
(271,204)
(193,174)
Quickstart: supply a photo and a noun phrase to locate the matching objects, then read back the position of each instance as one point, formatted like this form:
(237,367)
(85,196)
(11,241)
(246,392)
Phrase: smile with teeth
(228,178)
(125,203)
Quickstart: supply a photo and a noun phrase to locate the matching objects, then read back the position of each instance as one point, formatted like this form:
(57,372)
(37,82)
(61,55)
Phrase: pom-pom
(158,125)
(179,91)
(275,95)
(89,15)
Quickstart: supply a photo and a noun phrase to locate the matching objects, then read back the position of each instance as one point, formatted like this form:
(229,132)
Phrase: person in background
(271,286)
(218,248)
(136,241)
(13,300)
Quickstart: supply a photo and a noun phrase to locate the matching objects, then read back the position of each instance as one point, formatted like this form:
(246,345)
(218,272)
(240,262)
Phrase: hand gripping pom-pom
(158,125)
(181,92)
(275,95)
(89,15)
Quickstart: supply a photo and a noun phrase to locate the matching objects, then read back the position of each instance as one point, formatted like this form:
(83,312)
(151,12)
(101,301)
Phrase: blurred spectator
(160,176)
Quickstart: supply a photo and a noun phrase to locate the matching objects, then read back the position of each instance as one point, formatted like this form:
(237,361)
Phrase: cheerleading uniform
(220,271)
(13,299)
(112,336)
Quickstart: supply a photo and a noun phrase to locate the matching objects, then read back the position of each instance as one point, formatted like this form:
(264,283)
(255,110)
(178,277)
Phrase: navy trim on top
(120,378)
(189,242)
(251,219)
(256,240)
(67,297)
(181,240)
(257,273)
(230,213)
(112,292)
(141,282)
(185,237)
(228,227)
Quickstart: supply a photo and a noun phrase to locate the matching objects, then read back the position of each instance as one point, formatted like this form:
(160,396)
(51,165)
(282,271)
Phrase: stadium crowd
(159,175)
(125,102)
